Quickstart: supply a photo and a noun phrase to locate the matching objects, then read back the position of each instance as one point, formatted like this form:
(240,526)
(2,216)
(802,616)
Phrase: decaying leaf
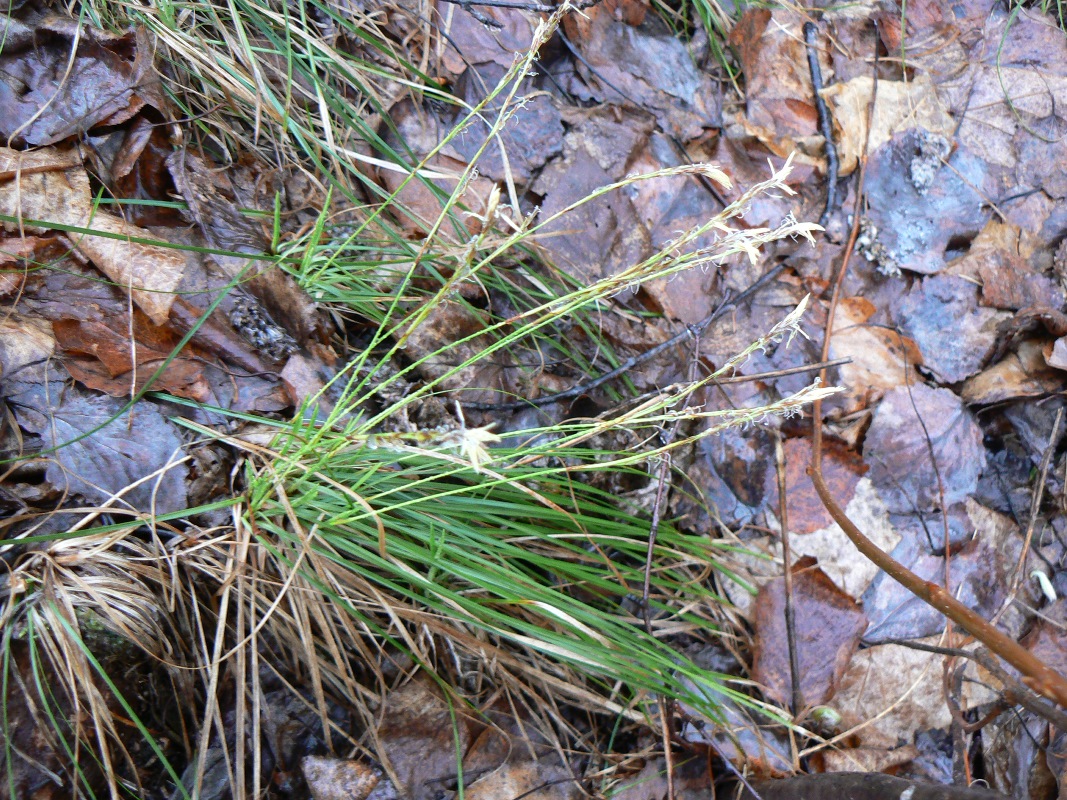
(900,105)
(643,63)
(829,625)
(882,358)
(97,450)
(897,453)
(51,186)
(50,96)
(919,212)
(956,335)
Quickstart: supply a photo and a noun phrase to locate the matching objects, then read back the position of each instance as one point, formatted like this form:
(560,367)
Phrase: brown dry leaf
(529,779)
(49,96)
(900,105)
(420,129)
(1001,259)
(52,187)
(1023,373)
(215,197)
(338,779)
(15,252)
(779,103)
(24,340)
(605,235)
(665,207)
(643,64)
(431,344)
(420,735)
(881,358)
(897,452)
(842,470)
(955,335)
(868,759)
(896,691)
(692,780)
(532,135)
(99,354)
(829,625)
(985,549)
(1048,638)
(1011,99)
(850,571)
(470,42)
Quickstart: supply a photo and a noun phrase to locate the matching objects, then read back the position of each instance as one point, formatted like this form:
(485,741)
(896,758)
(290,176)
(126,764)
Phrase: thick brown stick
(1037,675)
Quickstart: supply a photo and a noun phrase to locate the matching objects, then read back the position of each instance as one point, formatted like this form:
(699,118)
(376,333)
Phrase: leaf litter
(953,324)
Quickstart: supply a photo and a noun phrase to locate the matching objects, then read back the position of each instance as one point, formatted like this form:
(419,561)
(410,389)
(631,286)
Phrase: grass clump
(494,559)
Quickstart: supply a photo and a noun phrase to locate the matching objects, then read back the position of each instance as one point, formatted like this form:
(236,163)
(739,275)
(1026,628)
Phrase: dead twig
(826,127)
(796,701)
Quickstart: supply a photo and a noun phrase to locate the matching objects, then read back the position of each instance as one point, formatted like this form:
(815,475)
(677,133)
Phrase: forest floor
(425,399)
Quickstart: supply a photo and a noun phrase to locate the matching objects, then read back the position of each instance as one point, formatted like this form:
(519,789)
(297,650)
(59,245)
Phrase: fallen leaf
(468,41)
(892,691)
(422,737)
(605,235)
(955,335)
(528,779)
(842,470)
(881,357)
(102,356)
(900,105)
(67,79)
(338,779)
(916,227)
(645,65)
(829,625)
(53,187)
(850,570)
(867,759)
(1023,373)
(533,133)
(779,99)
(897,452)
(980,574)
(23,341)
(97,450)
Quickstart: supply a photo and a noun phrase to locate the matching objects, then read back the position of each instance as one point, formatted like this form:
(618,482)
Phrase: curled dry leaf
(65,79)
(1033,370)
(51,186)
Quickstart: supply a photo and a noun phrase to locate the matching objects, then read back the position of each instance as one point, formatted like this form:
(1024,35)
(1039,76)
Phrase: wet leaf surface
(955,335)
(917,228)
(897,453)
(49,96)
(96,450)
(829,625)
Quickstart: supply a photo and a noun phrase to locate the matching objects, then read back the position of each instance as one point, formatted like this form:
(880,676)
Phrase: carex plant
(356,541)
